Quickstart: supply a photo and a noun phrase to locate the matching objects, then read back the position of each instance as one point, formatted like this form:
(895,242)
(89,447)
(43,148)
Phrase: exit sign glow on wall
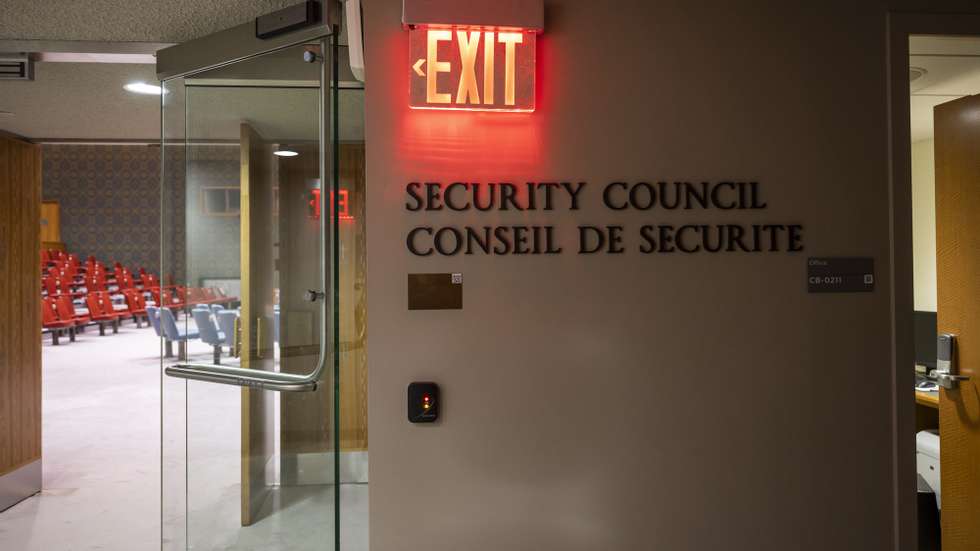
(472,56)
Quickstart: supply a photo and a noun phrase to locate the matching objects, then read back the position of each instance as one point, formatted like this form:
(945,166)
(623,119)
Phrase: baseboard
(20,484)
(317,468)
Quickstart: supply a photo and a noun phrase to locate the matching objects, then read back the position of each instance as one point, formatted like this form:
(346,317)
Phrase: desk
(926,410)
(927,399)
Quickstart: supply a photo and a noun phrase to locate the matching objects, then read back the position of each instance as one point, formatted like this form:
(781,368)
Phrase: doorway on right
(944,83)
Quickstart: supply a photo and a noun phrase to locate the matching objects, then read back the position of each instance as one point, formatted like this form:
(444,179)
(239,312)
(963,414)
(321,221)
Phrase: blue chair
(209,333)
(172,332)
(226,323)
(153,313)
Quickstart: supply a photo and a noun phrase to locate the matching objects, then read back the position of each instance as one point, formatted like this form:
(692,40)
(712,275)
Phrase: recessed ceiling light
(143,88)
(285,153)
(915,73)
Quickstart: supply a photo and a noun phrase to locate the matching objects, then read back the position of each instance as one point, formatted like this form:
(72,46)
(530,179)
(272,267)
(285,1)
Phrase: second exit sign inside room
(467,56)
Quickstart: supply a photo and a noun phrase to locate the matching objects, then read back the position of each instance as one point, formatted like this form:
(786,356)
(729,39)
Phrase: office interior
(942,69)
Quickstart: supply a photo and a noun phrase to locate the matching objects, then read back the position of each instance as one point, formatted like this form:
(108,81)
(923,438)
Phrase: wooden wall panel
(20,295)
(50,222)
(258,428)
(353,304)
(307,418)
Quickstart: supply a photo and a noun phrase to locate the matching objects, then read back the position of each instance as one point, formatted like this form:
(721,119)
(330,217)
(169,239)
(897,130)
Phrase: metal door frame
(239,43)
(900,26)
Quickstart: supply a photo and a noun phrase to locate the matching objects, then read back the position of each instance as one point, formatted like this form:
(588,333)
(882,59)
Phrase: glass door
(246,302)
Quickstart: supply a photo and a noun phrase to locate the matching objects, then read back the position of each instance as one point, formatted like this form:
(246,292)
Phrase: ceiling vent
(16,67)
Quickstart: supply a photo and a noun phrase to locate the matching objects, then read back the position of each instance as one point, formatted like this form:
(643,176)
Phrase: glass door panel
(249,416)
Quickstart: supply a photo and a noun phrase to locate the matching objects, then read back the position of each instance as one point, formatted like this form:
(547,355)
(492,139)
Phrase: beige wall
(627,402)
(924,224)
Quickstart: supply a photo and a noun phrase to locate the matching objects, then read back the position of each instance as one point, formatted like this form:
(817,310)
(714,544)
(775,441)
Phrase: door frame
(238,43)
(899,27)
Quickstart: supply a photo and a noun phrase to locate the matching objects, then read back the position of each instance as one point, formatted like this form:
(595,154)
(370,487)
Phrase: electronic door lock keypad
(947,368)
(423,402)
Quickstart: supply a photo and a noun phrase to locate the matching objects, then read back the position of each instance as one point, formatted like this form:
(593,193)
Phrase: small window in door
(221,201)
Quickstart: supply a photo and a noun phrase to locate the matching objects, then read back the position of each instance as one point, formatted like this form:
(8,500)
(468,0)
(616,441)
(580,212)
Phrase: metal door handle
(252,378)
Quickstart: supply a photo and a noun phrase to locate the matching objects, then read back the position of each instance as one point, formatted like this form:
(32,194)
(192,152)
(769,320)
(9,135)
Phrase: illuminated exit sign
(471,69)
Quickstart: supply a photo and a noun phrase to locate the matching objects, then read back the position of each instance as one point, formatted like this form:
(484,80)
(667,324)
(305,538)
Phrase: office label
(840,275)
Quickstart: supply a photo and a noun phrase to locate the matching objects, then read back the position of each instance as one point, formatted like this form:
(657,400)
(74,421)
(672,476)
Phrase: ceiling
(952,67)
(129,21)
(81,101)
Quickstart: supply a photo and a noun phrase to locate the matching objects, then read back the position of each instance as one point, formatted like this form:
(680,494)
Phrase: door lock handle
(949,381)
(947,362)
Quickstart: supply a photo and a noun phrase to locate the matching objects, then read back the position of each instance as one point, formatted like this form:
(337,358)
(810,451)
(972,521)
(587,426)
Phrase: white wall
(924,224)
(628,402)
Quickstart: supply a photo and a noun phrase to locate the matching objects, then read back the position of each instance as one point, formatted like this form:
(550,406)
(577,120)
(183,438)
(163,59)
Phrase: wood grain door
(20,324)
(257,318)
(957,131)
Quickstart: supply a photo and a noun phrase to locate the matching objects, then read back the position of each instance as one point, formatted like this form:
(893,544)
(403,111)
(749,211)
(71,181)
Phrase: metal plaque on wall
(435,291)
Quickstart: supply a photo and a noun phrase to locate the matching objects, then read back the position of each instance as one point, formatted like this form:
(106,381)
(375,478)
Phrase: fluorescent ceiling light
(66,57)
(285,153)
(143,88)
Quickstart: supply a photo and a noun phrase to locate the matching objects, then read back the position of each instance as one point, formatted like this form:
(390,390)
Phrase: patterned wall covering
(110,200)
(111,207)
(214,243)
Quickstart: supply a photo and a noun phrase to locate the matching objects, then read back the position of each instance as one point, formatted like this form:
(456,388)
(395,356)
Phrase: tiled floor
(102,476)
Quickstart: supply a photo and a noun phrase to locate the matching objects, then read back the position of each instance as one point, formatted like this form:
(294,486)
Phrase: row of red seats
(58,313)
(178,296)
(65,278)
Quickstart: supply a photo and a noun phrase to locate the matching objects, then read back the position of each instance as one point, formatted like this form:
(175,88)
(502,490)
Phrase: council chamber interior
(200,220)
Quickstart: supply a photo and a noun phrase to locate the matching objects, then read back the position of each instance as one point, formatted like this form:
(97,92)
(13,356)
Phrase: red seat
(125,280)
(66,311)
(137,305)
(194,295)
(209,295)
(50,284)
(150,282)
(51,321)
(101,312)
(172,298)
(95,282)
